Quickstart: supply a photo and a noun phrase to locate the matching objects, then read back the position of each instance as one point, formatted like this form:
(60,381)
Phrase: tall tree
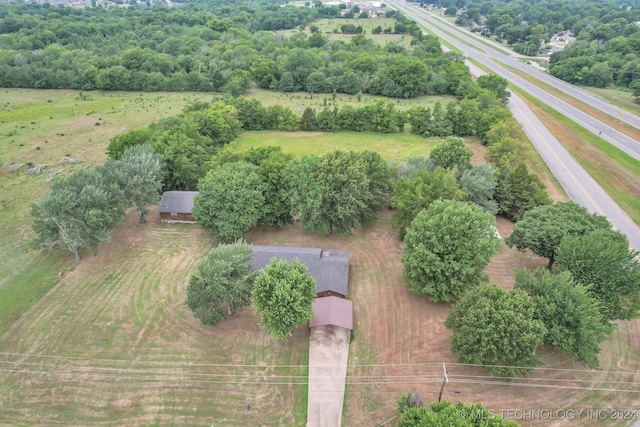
(518,191)
(222,283)
(451,153)
(496,328)
(79,212)
(410,196)
(495,84)
(272,163)
(602,260)
(344,191)
(480,184)
(230,200)
(542,228)
(447,249)
(571,316)
(138,174)
(338,191)
(284,292)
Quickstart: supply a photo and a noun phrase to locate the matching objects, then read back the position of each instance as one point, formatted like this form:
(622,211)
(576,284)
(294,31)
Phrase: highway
(578,184)
(486,56)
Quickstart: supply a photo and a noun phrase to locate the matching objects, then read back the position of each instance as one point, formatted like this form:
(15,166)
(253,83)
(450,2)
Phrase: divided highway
(578,184)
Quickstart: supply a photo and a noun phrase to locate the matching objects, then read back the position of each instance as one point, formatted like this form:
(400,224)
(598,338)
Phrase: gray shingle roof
(330,267)
(176,202)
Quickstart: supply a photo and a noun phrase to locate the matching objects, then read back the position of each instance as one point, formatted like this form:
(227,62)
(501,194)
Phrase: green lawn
(396,147)
(619,97)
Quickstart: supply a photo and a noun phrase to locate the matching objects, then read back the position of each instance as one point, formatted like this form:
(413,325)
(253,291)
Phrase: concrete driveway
(328,356)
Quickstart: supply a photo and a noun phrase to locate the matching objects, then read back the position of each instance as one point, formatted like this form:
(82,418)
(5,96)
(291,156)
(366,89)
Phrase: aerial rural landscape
(272,213)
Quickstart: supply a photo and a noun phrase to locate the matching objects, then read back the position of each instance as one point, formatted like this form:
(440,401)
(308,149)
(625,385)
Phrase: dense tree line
(206,46)
(607,46)
(187,142)
(333,193)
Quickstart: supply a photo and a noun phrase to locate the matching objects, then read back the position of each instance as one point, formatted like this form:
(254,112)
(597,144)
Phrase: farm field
(112,342)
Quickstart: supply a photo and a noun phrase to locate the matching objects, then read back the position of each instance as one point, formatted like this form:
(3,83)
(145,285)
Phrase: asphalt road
(578,184)
(488,56)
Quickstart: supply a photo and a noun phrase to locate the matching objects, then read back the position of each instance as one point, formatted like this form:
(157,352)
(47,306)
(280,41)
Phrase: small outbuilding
(176,206)
(332,311)
(330,267)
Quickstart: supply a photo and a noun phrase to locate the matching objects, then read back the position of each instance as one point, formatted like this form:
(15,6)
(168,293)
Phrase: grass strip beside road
(586,108)
(615,171)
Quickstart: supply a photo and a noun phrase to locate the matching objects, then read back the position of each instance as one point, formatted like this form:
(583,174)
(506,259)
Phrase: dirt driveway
(328,356)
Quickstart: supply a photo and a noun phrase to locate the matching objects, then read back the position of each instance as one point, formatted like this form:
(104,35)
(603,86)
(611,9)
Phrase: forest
(606,46)
(214,46)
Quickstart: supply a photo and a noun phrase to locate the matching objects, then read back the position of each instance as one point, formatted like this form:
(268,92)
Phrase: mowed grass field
(113,343)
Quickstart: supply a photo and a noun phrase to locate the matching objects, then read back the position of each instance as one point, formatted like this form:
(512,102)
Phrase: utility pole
(445,380)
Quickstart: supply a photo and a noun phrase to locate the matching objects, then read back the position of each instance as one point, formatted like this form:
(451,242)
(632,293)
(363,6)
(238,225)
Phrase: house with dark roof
(176,206)
(330,267)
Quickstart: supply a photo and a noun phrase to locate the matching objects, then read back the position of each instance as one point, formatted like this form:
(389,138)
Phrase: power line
(381,379)
(267,381)
(353,366)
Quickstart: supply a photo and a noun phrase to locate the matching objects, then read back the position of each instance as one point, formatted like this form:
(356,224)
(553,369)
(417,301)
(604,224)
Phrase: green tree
(602,260)
(230,200)
(379,174)
(410,74)
(496,328)
(518,191)
(284,292)
(480,183)
(272,163)
(541,229)
(335,193)
(222,283)
(265,72)
(410,196)
(139,175)
(571,316)
(184,158)
(495,84)
(452,153)
(308,121)
(447,249)
(79,212)
(444,414)
(506,153)
(121,142)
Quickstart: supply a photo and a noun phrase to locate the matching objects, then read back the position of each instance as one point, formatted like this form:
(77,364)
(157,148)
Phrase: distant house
(176,206)
(330,267)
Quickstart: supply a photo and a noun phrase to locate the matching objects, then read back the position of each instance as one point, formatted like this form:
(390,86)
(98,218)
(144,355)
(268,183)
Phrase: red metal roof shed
(332,311)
